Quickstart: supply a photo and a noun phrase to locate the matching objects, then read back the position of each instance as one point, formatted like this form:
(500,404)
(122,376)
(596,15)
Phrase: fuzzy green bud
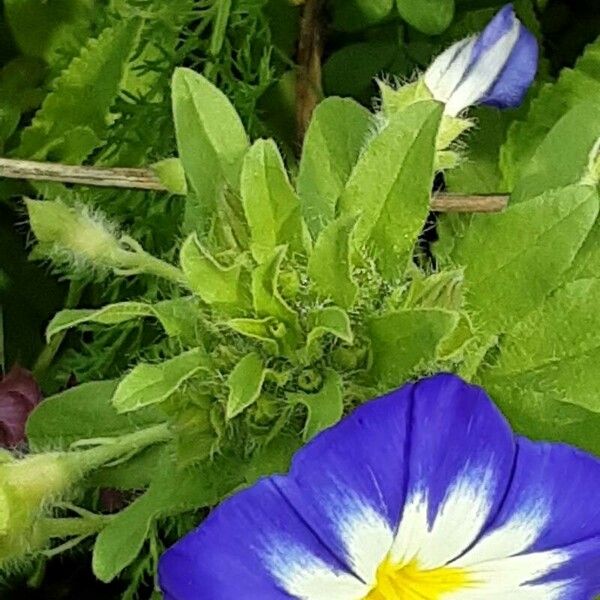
(26,487)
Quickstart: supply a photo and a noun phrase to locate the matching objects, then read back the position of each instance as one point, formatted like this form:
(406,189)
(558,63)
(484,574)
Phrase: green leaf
(211,281)
(171,492)
(543,361)
(49,29)
(429,16)
(270,203)
(404,340)
(148,384)
(353,15)
(562,158)
(180,317)
(245,384)
(330,267)
(275,457)
(111,314)
(330,320)
(515,259)
(268,301)
(211,141)
(389,189)
(82,412)
(479,172)
(351,71)
(337,132)
(171,174)
(75,116)
(266,330)
(325,408)
(574,86)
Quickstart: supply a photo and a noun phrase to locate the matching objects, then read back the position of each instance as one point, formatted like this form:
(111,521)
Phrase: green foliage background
(87,82)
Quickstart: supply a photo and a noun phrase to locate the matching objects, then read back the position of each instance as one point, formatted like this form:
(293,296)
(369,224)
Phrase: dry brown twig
(145,179)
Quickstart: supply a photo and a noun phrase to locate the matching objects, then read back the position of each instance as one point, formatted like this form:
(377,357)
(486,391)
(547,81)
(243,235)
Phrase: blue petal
(349,482)
(498,27)
(580,573)
(549,500)
(518,74)
(461,460)
(254,545)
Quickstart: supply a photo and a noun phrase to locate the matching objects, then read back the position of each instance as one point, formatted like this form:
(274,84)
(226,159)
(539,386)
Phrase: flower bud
(19,395)
(495,68)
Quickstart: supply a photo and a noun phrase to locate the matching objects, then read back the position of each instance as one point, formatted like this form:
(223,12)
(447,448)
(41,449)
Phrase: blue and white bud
(495,68)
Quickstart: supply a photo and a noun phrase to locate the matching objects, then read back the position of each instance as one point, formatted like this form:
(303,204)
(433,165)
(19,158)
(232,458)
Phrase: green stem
(116,448)
(73,526)
(46,356)
(155,266)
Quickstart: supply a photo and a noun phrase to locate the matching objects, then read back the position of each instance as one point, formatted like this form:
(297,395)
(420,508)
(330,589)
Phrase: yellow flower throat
(412,583)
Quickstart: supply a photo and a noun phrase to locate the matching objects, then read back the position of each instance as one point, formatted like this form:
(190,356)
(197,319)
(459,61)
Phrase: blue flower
(422,494)
(495,68)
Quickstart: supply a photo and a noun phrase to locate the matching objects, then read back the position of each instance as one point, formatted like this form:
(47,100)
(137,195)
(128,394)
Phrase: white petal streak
(513,537)
(459,521)
(367,538)
(446,71)
(483,73)
(512,578)
(306,577)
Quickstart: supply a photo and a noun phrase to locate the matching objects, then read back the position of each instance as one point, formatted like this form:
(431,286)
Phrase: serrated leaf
(562,158)
(338,130)
(75,115)
(171,492)
(148,384)
(515,259)
(211,281)
(171,174)
(429,16)
(389,189)
(111,314)
(211,141)
(545,375)
(268,301)
(580,84)
(325,407)
(245,383)
(271,206)
(329,265)
(82,412)
(403,340)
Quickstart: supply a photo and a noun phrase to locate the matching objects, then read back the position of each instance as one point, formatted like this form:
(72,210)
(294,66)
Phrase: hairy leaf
(389,189)
(580,84)
(245,384)
(211,281)
(330,267)
(270,203)
(403,340)
(507,279)
(148,384)
(338,130)
(211,141)
(325,407)
(82,412)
